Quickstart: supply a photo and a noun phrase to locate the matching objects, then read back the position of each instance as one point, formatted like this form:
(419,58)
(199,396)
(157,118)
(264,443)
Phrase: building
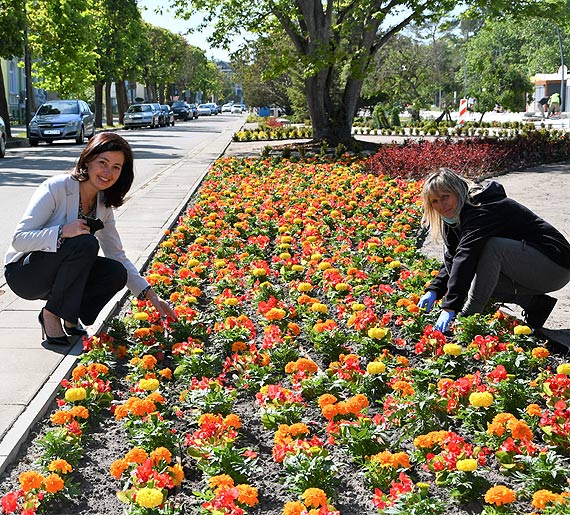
(545,84)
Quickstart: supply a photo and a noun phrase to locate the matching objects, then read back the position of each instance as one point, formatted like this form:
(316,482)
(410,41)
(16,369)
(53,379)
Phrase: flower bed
(301,377)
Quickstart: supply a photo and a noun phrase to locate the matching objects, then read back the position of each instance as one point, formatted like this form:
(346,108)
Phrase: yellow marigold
(542,498)
(149,497)
(177,474)
(221,481)
(341,287)
(61,466)
(466,465)
(540,353)
(160,454)
(563,368)
(318,307)
(500,495)
(141,316)
(452,349)
(231,301)
(394,264)
(233,420)
(376,367)
(149,385)
(534,410)
(294,508)
(118,467)
(53,484)
(481,399)
(75,394)
(324,265)
(522,330)
(297,268)
(404,388)
(357,306)
(259,272)
(30,480)
(377,332)
(136,455)
(247,495)
(314,497)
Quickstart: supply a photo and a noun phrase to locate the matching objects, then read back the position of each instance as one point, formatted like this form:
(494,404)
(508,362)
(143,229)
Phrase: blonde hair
(444,180)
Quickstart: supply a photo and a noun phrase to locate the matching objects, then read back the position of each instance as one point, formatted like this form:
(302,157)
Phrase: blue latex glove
(444,321)
(427,300)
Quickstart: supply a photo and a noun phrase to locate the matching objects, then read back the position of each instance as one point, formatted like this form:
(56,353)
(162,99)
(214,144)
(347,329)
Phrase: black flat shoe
(54,340)
(538,310)
(74,330)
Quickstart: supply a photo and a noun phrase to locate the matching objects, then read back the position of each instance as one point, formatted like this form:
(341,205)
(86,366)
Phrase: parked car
(182,110)
(216,109)
(194,110)
(227,108)
(61,119)
(3,138)
(236,108)
(204,110)
(167,115)
(140,115)
(158,111)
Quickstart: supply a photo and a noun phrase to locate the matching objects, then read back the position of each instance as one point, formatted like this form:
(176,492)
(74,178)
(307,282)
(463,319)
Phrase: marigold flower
(118,467)
(30,480)
(233,420)
(341,287)
(177,474)
(520,430)
(326,399)
(294,508)
(259,272)
(481,399)
(500,495)
(79,372)
(452,349)
(53,484)
(75,394)
(356,306)
(275,314)
(149,497)
(60,417)
(522,330)
(161,454)
(314,497)
(540,353)
(534,410)
(221,481)
(563,368)
(247,495)
(466,465)
(148,362)
(141,316)
(542,498)
(61,466)
(136,455)
(377,332)
(149,384)
(318,307)
(239,346)
(404,388)
(376,367)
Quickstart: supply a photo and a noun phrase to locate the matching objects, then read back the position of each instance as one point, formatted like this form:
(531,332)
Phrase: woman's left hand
(163,307)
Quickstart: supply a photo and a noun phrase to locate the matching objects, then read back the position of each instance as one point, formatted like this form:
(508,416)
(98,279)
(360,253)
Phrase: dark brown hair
(108,142)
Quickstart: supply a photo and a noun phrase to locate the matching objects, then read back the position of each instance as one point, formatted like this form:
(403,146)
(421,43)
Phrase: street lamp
(562,88)
(27,71)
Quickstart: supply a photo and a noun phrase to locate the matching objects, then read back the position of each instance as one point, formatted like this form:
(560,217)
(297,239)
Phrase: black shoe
(538,310)
(74,330)
(54,340)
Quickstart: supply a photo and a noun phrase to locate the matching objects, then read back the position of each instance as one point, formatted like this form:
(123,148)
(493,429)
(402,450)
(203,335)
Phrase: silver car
(61,119)
(141,115)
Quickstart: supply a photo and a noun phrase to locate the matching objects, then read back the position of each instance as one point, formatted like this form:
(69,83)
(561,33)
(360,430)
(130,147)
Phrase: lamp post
(27,71)
(562,88)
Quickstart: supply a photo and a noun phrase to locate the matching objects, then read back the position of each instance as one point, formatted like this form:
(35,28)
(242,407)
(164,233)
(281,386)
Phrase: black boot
(538,310)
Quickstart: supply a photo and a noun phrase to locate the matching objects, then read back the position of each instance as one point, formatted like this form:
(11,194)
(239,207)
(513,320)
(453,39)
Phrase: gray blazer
(54,203)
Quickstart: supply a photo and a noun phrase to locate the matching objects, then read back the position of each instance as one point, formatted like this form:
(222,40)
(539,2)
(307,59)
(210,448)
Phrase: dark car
(140,115)
(194,110)
(182,110)
(167,116)
(3,138)
(158,110)
(61,119)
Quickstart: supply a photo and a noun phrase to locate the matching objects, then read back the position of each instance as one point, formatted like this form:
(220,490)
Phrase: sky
(179,26)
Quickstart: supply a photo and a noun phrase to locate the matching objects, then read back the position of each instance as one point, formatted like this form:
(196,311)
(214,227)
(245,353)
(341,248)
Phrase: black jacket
(492,214)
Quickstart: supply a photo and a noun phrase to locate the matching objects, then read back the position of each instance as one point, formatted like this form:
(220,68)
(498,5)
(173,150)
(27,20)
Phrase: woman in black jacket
(494,248)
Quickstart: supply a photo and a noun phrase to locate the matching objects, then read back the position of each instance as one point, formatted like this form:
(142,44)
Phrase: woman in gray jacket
(54,251)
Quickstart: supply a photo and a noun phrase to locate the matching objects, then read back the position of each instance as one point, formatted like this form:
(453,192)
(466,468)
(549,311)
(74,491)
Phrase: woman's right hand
(78,227)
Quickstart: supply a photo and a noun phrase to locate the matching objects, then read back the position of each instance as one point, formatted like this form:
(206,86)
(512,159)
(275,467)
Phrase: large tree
(12,24)
(334,42)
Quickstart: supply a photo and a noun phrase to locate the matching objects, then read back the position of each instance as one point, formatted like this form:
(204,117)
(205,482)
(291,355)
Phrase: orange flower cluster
(333,409)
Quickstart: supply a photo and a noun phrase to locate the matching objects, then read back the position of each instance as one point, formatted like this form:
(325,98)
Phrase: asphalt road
(155,150)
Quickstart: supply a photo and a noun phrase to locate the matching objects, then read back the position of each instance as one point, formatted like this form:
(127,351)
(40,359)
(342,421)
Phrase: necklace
(86,209)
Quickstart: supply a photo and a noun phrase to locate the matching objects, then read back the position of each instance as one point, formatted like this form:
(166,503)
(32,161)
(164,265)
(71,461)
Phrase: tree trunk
(4,105)
(99,104)
(122,99)
(108,105)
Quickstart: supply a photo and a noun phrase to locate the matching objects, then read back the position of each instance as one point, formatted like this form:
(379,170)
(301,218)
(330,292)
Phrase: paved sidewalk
(30,373)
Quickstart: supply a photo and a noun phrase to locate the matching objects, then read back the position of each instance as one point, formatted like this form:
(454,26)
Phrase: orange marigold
(221,481)
(79,412)
(30,480)
(540,353)
(136,455)
(405,388)
(534,410)
(60,418)
(160,454)
(177,474)
(53,484)
(520,430)
(294,508)
(500,495)
(247,495)
(542,498)
(61,466)
(233,420)
(326,399)
(118,467)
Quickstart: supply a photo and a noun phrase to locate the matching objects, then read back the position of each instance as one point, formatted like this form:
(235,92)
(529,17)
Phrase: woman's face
(105,168)
(445,203)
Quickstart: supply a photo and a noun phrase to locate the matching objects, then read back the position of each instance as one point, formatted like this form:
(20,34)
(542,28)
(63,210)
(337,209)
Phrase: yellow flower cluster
(481,399)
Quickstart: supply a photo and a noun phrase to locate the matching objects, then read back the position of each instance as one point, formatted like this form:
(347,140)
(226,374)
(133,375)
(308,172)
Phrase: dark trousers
(75,281)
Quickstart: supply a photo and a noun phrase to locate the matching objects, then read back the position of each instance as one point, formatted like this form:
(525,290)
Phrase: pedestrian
(542,105)
(495,248)
(54,250)
(553,104)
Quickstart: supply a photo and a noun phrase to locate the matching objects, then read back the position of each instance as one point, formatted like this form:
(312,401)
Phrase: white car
(227,108)
(204,110)
(236,108)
